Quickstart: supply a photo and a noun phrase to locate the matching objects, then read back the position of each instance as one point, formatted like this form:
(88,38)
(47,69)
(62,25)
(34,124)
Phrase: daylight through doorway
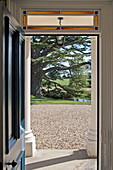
(61,91)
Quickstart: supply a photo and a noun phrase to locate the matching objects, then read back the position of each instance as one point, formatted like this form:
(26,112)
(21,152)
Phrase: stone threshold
(53,159)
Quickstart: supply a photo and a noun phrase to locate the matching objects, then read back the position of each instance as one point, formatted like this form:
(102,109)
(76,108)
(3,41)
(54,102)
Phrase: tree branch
(66,68)
(52,82)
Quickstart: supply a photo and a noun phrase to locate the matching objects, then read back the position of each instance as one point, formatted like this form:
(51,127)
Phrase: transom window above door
(60,20)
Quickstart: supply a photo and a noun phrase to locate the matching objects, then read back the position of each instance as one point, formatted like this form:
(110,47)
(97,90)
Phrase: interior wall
(15,6)
(111,131)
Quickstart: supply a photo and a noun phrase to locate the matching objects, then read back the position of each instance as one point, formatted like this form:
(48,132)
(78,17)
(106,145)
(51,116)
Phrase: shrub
(57,94)
(87,95)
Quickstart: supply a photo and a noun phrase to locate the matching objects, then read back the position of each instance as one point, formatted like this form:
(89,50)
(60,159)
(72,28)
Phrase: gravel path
(60,126)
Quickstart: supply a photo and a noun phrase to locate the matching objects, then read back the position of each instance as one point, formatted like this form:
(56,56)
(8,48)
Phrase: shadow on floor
(77,155)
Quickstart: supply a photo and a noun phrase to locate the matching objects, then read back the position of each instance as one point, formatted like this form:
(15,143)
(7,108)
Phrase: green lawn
(45,100)
(63,82)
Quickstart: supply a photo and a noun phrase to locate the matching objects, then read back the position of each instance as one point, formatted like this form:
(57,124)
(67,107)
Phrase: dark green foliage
(89,80)
(57,94)
(87,95)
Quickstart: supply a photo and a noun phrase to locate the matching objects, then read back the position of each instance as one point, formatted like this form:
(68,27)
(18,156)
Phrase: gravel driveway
(60,126)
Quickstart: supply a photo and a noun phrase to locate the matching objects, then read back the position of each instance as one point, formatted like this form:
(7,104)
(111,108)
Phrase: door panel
(12,154)
(16,108)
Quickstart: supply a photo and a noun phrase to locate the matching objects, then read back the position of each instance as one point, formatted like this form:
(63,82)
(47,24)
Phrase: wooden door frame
(106,71)
(105,65)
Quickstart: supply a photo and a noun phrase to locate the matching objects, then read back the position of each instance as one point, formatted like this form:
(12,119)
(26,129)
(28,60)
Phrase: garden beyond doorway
(61,91)
(61,71)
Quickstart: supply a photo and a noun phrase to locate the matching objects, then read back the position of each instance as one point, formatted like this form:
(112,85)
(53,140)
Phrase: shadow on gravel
(77,155)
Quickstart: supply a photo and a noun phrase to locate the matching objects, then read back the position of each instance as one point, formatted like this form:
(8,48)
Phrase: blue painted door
(12,149)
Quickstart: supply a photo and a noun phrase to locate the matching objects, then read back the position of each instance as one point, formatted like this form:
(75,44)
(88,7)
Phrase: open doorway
(64,92)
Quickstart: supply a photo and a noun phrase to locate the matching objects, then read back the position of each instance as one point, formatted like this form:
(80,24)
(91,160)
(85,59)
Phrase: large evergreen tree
(50,61)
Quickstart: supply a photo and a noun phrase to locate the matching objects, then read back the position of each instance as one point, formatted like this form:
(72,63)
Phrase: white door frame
(106,62)
(105,93)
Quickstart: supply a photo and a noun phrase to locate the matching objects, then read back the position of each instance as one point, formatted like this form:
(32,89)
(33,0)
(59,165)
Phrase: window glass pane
(10,85)
(35,20)
(78,28)
(25,19)
(44,12)
(77,12)
(41,28)
(96,20)
(57,28)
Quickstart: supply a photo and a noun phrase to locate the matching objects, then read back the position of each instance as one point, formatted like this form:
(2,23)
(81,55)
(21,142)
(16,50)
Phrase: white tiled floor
(61,160)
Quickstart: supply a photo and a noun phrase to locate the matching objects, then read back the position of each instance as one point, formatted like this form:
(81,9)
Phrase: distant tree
(79,77)
(89,80)
(50,61)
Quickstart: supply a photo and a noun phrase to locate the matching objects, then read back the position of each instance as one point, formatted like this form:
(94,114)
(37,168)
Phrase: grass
(44,100)
(62,82)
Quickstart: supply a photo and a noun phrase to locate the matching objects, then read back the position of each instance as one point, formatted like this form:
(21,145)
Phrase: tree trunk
(36,79)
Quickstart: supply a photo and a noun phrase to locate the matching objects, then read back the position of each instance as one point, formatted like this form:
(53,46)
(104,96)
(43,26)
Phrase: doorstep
(53,159)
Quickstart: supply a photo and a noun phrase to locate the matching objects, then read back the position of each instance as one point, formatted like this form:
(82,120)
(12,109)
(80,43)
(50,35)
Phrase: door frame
(106,71)
(99,142)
